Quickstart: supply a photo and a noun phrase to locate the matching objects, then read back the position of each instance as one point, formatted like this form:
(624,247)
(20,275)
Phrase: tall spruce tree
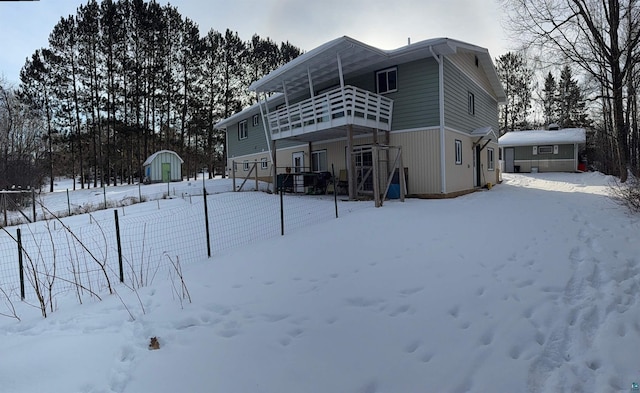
(516,77)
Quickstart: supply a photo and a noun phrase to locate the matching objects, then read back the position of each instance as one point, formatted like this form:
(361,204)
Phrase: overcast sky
(386,24)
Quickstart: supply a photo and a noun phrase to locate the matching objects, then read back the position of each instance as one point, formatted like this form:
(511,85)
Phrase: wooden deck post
(233,172)
(351,164)
(376,177)
(275,166)
(403,181)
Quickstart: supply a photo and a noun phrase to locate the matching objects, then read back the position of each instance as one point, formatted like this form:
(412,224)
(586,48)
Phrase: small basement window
(264,164)
(458,152)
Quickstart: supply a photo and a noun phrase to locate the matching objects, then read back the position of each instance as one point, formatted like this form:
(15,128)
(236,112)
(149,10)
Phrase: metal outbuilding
(543,150)
(163,166)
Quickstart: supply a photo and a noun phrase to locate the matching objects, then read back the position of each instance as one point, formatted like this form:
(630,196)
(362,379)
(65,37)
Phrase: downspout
(443,161)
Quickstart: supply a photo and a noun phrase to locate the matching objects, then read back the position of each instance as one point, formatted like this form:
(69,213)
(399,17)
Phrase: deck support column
(351,164)
(275,166)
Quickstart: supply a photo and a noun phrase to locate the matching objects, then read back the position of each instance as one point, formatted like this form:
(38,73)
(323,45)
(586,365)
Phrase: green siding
(457,87)
(254,143)
(416,103)
(526,153)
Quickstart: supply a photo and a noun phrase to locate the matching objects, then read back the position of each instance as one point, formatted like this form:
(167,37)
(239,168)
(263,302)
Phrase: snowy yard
(529,287)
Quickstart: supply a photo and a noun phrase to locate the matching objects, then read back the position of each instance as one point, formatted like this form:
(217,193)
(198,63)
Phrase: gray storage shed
(163,166)
(542,150)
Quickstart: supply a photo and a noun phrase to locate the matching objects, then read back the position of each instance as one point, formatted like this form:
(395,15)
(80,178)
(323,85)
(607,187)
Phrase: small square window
(490,160)
(471,105)
(242,130)
(245,165)
(387,80)
(458,152)
(264,164)
(256,120)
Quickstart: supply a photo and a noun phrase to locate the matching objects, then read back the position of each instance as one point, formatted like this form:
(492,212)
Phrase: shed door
(509,153)
(166,172)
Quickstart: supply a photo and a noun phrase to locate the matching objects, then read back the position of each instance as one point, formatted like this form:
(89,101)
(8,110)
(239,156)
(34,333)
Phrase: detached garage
(163,166)
(542,150)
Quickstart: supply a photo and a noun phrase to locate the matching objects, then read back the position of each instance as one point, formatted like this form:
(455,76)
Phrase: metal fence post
(20,264)
(115,213)
(281,181)
(206,222)
(68,202)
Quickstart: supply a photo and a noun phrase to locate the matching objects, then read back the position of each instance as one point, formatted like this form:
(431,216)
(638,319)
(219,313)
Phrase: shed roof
(156,154)
(537,137)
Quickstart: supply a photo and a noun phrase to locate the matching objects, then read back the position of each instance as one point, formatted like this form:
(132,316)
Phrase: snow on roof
(154,155)
(536,137)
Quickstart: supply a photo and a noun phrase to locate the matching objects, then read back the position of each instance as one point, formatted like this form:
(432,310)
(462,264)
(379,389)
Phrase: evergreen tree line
(123,79)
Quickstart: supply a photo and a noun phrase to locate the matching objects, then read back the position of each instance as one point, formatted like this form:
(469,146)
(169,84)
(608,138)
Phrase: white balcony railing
(335,108)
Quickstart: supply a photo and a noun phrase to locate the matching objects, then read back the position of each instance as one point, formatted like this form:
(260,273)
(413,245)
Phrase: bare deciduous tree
(600,37)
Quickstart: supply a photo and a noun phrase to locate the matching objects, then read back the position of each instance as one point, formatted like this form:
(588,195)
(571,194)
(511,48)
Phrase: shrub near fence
(80,253)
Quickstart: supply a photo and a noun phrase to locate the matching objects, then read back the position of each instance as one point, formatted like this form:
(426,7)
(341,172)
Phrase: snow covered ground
(532,286)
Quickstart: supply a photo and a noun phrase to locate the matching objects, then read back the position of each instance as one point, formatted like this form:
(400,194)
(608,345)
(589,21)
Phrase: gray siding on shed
(457,87)
(526,153)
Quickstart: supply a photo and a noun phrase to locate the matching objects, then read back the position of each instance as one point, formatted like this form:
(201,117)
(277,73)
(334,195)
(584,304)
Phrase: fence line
(80,253)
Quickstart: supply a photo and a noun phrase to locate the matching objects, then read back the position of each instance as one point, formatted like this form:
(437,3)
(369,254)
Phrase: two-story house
(431,105)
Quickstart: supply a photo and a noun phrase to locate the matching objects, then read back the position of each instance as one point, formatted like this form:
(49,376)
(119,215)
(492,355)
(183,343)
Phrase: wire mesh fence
(86,253)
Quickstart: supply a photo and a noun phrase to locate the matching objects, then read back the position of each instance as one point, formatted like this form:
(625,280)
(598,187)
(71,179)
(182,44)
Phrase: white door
(298,167)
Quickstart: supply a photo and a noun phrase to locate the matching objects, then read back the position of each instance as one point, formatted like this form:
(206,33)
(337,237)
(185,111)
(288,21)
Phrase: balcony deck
(326,116)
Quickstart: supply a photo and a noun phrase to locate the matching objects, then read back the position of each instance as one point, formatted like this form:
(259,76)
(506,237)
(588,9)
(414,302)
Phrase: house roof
(250,111)
(357,57)
(156,154)
(537,137)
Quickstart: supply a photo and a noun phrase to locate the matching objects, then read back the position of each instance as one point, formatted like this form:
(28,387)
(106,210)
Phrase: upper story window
(387,80)
(242,130)
(471,104)
(256,120)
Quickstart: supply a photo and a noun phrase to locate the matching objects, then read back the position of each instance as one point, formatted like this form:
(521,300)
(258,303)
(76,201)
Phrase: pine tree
(550,100)
(516,78)
(571,110)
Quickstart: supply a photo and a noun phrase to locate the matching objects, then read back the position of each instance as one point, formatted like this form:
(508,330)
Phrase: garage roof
(543,137)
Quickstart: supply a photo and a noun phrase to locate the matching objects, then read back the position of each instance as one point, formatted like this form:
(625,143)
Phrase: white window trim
(256,120)
(264,163)
(314,158)
(471,103)
(243,132)
(548,149)
(387,71)
(245,165)
(458,151)
(491,159)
